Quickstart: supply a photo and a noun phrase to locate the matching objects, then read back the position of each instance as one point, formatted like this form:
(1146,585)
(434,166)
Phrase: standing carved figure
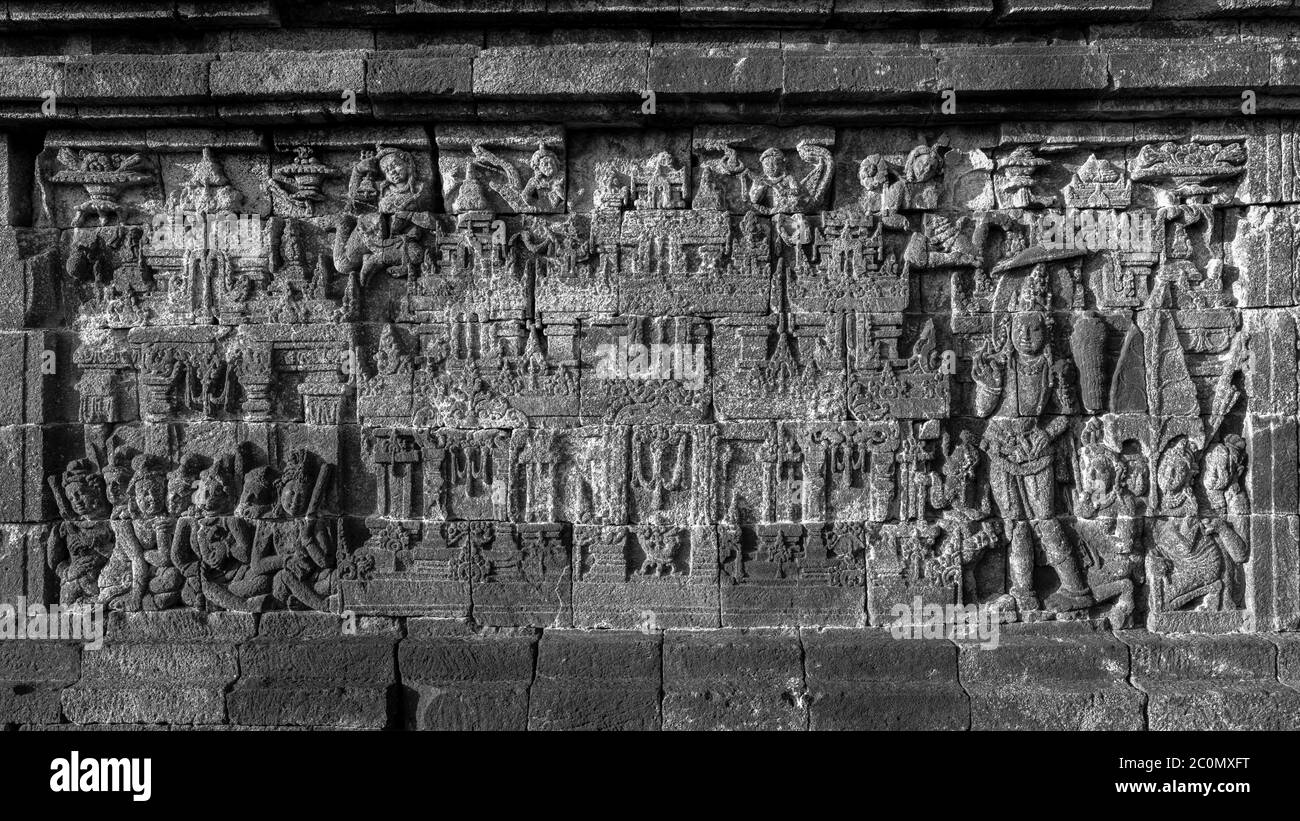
(1012,386)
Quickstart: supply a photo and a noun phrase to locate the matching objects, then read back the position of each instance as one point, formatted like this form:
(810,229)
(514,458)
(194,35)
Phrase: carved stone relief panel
(716,376)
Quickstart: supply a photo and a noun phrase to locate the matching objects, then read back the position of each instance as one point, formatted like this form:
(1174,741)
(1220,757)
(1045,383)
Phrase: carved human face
(85,497)
(869,174)
(293,498)
(1029,333)
(773,165)
(116,482)
(546,166)
(396,168)
(179,492)
(1175,473)
(151,495)
(928,165)
(211,495)
(1214,474)
(1100,477)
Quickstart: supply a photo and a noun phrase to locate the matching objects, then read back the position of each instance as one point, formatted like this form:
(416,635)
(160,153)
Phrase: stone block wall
(555,365)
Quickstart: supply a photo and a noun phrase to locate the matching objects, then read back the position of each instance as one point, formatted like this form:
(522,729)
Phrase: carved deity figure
(79,546)
(662,183)
(386,223)
(883,193)
(774,190)
(546,185)
(121,582)
(1012,386)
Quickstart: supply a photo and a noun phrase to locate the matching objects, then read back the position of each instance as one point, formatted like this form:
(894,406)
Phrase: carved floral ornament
(749,380)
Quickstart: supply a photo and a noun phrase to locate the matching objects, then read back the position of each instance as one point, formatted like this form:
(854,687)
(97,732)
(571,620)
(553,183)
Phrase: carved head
(117,479)
(1102,471)
(258,495)
(1176,470)
(84,488)
(872,173)
(397,165)
(180,488)
(149,487)
(1029,333)
(1029,325)
(293,490)
(212,494)
(544,162)
(773,162)
(924,163)
(1223,464)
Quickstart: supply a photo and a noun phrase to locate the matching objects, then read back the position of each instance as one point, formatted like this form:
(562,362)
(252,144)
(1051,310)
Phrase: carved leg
(1021,561)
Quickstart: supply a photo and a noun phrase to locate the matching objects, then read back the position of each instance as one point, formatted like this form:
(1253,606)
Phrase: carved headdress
(542,152)
(258,494)
(82,471)
(295,466)
(1034,294)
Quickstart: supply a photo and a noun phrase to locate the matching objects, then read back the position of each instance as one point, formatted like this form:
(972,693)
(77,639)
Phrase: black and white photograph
(920,368)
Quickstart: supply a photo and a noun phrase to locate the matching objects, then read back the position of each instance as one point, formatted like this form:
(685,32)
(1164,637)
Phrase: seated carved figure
(291,546)
(223,545)
(386,230)
(147,579)
(180,493)
(1109,530)
(121,582)
(546,185)
(1193,558)
(774,190)
(79,546)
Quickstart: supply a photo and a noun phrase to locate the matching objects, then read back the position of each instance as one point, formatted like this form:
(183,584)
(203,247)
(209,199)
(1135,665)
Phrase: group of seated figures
(137,536)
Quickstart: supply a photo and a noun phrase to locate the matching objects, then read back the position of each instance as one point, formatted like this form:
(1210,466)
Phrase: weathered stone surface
(340,682)
(1213,683)
(1037,681)
(866,680)
(733,680)
(465,680)
(710,364)
(597,681)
